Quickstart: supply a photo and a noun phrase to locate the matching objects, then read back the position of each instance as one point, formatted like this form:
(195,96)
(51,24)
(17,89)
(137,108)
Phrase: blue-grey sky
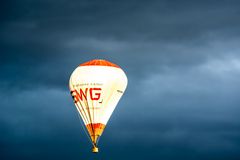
(182,59)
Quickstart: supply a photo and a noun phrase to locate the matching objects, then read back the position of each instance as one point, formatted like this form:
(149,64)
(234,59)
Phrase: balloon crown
(99,62)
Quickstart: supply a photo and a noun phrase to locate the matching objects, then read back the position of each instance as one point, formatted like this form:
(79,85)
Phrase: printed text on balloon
(95,94)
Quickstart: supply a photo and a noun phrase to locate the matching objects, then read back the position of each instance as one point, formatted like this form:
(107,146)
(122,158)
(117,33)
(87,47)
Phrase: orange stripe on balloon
(99,62)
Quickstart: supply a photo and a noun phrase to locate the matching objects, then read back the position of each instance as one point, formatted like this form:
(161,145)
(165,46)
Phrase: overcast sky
(182,59)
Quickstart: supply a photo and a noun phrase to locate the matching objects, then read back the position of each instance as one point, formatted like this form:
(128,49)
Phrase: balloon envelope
(96,87)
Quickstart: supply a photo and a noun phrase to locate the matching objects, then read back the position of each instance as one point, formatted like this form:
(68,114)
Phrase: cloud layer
(181,58)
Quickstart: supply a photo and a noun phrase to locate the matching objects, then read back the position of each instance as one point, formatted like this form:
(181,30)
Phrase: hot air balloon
(96,87)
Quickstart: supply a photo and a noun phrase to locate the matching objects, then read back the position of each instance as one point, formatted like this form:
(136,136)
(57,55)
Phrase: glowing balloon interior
(96,87)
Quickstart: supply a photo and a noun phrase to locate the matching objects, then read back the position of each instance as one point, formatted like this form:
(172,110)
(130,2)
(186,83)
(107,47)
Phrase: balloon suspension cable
(94,143)
(90,122)
(83,126)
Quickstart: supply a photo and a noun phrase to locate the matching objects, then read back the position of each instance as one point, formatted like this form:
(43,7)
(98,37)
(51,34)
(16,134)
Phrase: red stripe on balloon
(99,62)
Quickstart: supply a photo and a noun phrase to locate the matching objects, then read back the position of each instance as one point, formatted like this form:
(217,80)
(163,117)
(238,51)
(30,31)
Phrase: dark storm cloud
(51,34)
(181,58)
